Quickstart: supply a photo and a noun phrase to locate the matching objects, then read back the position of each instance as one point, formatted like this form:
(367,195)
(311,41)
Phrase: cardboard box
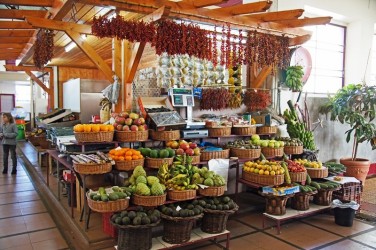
(265,120)
(279,192)
(153,102)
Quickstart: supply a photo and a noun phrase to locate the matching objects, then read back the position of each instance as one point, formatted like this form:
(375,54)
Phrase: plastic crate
(108,228)
(349,192)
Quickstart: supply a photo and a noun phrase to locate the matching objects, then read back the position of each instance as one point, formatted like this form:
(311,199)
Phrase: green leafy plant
(355,104)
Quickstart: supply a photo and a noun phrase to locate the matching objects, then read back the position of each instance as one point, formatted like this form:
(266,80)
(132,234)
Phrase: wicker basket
(128,165)
(181,195)
(298,176)
(318,172)
(148,201)
(242,153)
(212,191)
(92,168)
(103,136)
(157,162)
(223,154)
(108,206)
(293,150)
(218,132)
(266,130)
(276,205)
(177,230)
(196,159)
(131,136)
(248,130)
(267,180)
(324,197)
(165,135)
(214,221)
(272,152)
(300,201)
(135,237)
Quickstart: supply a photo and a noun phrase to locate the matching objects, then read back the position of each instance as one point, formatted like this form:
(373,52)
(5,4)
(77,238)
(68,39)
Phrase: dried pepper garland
(215,99)
(44,48)
(257,100)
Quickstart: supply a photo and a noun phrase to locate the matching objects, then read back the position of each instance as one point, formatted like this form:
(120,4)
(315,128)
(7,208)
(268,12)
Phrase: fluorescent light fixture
(70,46)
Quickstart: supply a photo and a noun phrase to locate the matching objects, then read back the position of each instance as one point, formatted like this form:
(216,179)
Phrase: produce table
(293,214)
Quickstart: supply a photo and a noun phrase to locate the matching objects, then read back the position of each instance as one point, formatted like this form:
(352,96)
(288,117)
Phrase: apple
(257,142)
(197,151)
(192,145)
(113,115)
(134,128)
(184,146)
(119,127)
(145,126)
(264,143)
(282,143)
(124,114)
(128,121)
(271,145)
(134,116)
(277,144)
(142,120)
(115,125)
(255,137)
(137,122)
(141,128)
(126,128)
(174,144)
(120,120)
(180,151)
(189,152)
(183,142)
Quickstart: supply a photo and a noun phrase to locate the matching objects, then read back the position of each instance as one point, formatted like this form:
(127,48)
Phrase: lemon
(272,172)
(261,171)
(266,172)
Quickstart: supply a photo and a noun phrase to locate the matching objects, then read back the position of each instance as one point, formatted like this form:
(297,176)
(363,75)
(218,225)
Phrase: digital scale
(183,99)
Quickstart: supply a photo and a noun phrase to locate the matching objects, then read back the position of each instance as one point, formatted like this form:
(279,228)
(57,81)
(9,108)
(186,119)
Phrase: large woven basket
(92,168)
(215,221)
(103,136)
(196,159)
(266,130)
(108,206)
(293,150)
(318,172)
(128,165)
(276,205)
(177,230)
(263,179)
(212,191)
(217,132)
(247,130)
(131,136)
(165,135)
(298,176)
(324,197)
(181,195)
(148,201)
(157,162)
(272,152)
(243,153)
(300,201)
(208,155)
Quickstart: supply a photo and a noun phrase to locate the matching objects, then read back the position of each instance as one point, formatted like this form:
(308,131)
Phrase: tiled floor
(26,224)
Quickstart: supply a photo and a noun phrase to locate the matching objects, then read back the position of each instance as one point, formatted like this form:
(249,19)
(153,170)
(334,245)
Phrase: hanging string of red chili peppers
(257,99)
(215,99)
(44,48)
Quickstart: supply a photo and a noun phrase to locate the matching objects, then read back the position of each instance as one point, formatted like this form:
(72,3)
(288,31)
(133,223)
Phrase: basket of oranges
(126,159)
(93,133)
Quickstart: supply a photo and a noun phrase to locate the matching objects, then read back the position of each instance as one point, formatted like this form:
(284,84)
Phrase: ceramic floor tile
(22,247)
(309,236)
(258,241)
(13,230)
(6,213)
(348,245)
(14,241)
(50,244)
(253,219)
(327,222)
(236,228)
(11,221)
(45,235)
(367,238)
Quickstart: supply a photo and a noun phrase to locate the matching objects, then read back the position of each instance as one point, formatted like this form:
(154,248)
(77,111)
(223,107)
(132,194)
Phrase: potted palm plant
(355,105)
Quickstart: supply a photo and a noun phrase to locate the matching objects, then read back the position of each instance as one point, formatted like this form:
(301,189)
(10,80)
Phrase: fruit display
(290,141)
(157,153)
(98,158)
(144,185)
(207,177)
(183,209)
(295,166)
(294,76)
(125,121)
(264,167)
(309,164)
(243,144)
(125,154)
(335,168)
(217,203)
(79,128)
(297,129)
(184,147)
(136,218)
(110,194)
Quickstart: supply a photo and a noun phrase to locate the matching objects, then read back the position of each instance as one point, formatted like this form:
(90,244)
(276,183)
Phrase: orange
(103,127)
(110,127)
(128,158)
(78,128)
(112,152)
(121,158)
(137,152)
(140,157)
(87,128)
(134,157)
(129,153)
(95,127)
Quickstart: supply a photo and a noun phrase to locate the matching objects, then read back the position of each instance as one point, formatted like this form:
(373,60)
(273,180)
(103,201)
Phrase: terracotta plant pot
(358,168)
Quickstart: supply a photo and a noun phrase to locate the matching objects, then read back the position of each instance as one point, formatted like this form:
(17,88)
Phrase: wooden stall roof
(17,35)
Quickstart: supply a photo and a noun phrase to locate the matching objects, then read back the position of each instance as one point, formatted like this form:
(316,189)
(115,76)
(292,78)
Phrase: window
(327,48)
(373,62)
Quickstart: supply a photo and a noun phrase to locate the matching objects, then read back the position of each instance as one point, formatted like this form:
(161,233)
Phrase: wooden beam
(39,3)
(58,25)
(277,15)
(20,14)
(259,80)
(91,53)
(139,48)
(25,68)
(15,25)
(12,46)
(37,81)
(9,56)
(206,3)
(306,21)
(16,33)
(10,51)
(299,40)
(247,8)
(64,10)
(14,40)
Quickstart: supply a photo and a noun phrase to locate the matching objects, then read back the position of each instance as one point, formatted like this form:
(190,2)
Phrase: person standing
(8,134)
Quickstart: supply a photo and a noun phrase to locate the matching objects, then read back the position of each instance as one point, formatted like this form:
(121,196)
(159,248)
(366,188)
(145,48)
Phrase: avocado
(114,216)
(104,197)
(199,208)
(191,213)
(175,213)
(126,221)
(121,195)
(145,220)
(207,206)
(97,197)
(156,213)
(136,221)
(124,213)
(153,219)
(226,207)
(92,195)
(113,197)
(213,207)
(141,214)
(226,199)
(184,213)
(195,202)
(131,214)
(202,203)
(190,206)
(219,207)
(196,211)
(118,221)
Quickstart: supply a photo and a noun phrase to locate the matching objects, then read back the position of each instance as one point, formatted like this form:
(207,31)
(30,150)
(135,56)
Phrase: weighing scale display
(178,100)
(181,91)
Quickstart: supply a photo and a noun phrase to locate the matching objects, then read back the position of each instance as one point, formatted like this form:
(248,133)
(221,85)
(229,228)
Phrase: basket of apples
(297,171)
(271,148)
(130,127)
(188,148)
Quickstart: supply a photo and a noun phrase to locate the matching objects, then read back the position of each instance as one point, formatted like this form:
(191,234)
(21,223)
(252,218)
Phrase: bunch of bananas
(294,76)
(297,129)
